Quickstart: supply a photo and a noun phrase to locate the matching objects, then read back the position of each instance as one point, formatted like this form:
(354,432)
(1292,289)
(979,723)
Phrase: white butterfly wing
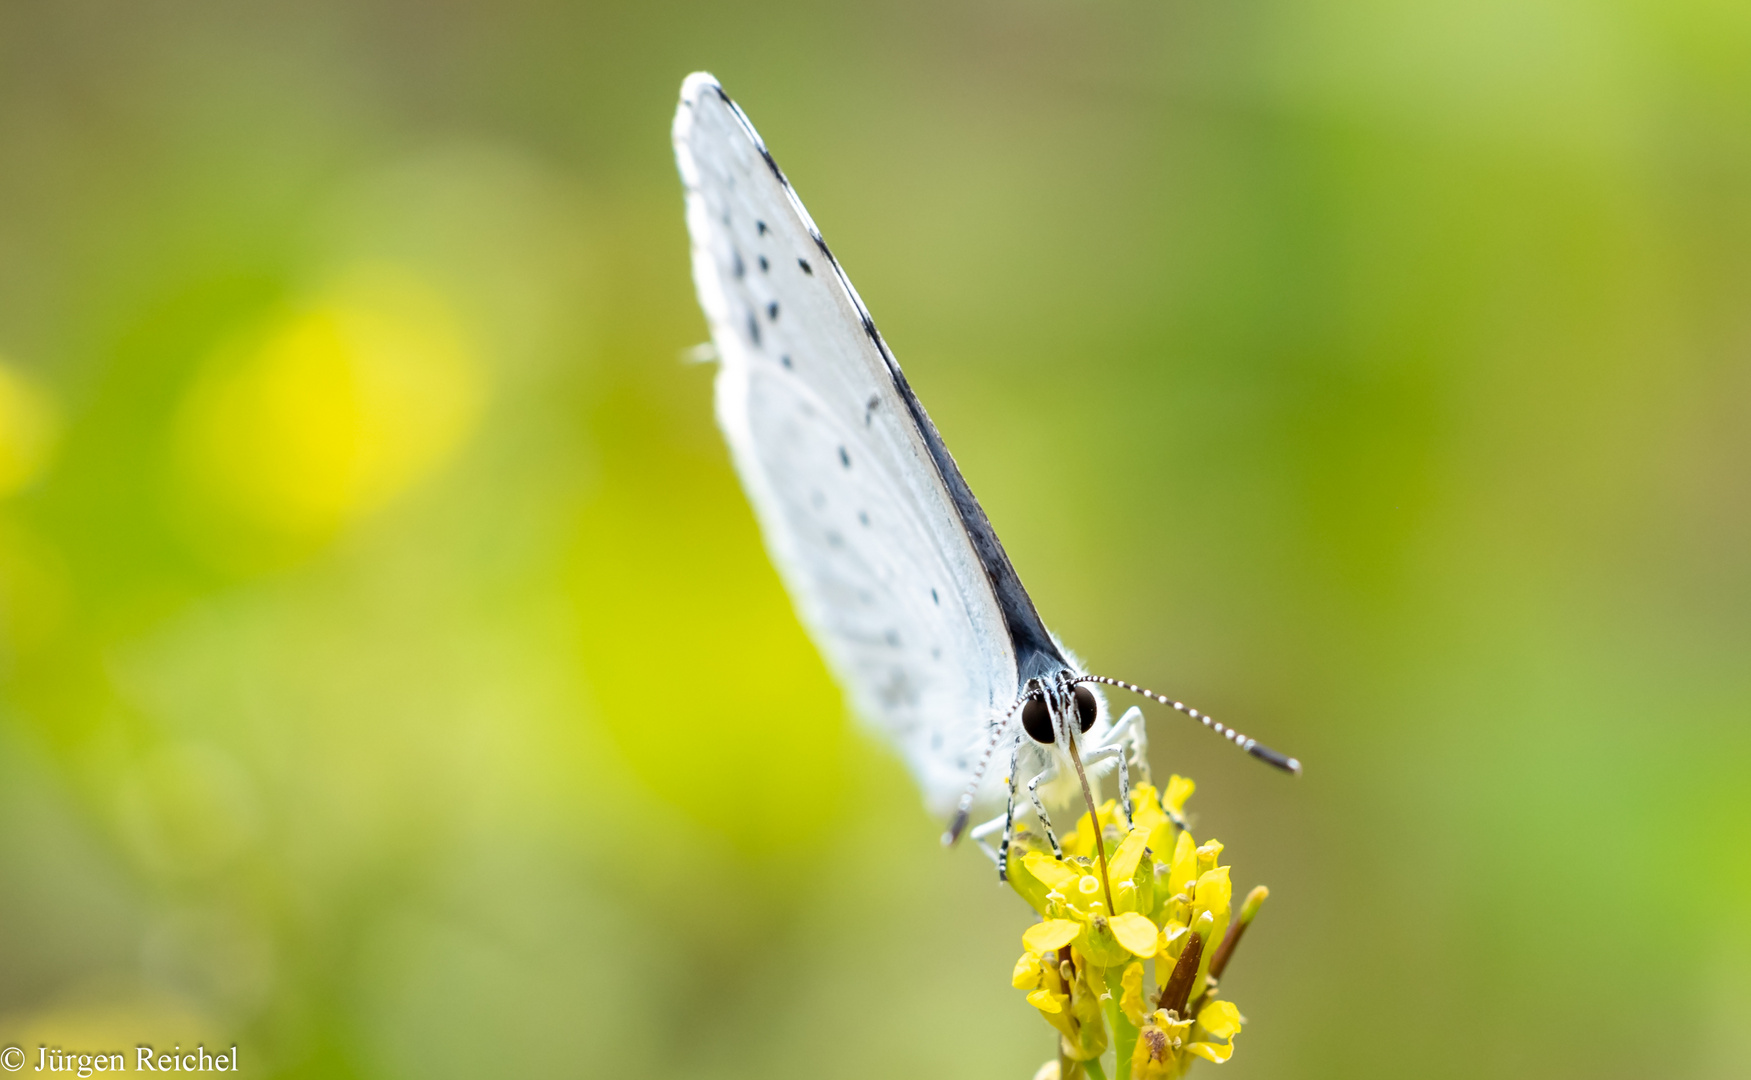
(851,504)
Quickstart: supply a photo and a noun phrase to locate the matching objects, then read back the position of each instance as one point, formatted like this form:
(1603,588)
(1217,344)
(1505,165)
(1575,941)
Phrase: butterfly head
(1057,713)
(1049,712)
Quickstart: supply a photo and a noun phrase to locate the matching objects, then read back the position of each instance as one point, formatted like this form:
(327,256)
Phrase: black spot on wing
(772,310)
(807,269)
(935,599)
(760,227)
(736,266)
(754,328)
(844,458)
(785,360)
(869,408)
(863,518)
(764,265)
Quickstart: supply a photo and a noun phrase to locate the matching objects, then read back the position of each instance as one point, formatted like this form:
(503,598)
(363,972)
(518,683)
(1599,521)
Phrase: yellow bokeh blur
(334,408)
(27,430)
(118,1020)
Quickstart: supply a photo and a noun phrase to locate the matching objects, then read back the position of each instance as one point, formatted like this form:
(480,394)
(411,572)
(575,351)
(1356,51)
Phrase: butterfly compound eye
(1086,709)
(1036,720)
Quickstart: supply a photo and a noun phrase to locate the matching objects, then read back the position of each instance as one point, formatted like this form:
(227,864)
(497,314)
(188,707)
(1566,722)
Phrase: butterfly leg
(1033,794)
(983,831)
(1006,821)
(1132,723)
(1009,812)
(1109,752)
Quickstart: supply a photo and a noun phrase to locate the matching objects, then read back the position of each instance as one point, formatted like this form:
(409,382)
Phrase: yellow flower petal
(1165,1021)
(1027,972)
(1129,853)
(1046,1001)
(1146,810)
(1146,814)
(1217,1052)
(1185,864)
(1161,844)
(1135,933)
(1208,852)
(1220,1018)
(1179,789)
(1131,1000)
(1062,1020)
(1057,875)
(1051,934)
(1215,891)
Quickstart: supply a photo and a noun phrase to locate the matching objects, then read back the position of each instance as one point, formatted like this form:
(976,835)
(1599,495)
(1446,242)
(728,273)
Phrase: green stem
(1124,1032)
(1093,1069)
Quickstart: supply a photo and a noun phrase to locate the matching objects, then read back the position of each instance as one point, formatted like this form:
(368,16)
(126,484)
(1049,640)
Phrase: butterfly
(892,565)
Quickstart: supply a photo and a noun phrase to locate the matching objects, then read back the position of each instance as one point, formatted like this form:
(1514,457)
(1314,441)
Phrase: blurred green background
(392,682)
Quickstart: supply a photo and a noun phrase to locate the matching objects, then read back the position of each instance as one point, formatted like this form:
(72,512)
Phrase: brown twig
(1179,984)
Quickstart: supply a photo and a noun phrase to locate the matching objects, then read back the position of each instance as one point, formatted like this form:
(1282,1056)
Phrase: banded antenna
(1250,745)
(964,809)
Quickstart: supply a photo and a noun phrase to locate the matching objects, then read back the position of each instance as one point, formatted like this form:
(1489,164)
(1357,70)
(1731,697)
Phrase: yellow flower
(1147,814)
(1061,985)
(1158,1054)
(1219,1020)
(1081,842)
(1075,906)
(1179,789)
(1166,1044)
(1128,977)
